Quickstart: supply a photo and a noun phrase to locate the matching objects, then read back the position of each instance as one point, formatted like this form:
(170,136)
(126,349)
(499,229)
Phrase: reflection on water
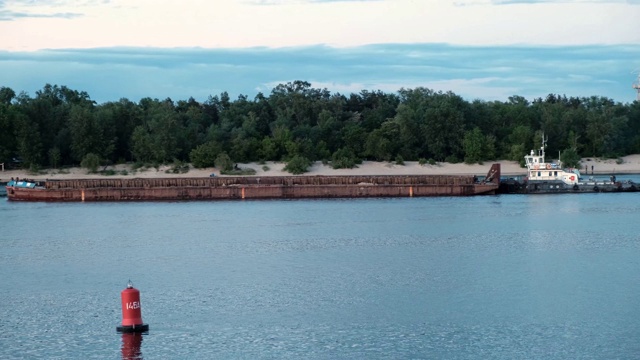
(132,346)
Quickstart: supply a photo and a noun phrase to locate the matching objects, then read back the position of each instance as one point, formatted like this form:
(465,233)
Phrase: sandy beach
(630,165)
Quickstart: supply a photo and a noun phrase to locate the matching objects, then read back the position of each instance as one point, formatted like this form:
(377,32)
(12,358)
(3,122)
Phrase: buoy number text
(133,305)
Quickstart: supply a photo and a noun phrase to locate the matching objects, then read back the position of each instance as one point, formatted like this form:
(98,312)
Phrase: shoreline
(630,165)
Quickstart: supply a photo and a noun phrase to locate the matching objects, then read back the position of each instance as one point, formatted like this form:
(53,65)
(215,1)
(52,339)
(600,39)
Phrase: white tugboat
(550,177)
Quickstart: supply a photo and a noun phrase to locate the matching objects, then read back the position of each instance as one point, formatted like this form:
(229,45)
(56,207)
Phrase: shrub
(399,160)
(422,161)
(239,171)
(343,159)
(265,168)
(431,161)
(223,162)
(298,165)
(178,168)
(452,159)
(34,169)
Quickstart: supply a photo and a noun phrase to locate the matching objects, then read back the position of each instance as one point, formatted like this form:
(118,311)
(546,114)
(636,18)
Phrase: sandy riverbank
(630,165)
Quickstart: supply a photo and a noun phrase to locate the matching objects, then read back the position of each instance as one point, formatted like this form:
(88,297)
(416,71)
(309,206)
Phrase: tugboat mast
(544,145)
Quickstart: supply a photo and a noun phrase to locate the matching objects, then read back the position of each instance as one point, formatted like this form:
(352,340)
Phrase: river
(488,277)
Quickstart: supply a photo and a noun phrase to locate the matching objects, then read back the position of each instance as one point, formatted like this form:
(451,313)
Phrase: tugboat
(550,177)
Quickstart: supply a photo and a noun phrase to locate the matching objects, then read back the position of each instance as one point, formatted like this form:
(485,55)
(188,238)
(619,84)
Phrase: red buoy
(131,311)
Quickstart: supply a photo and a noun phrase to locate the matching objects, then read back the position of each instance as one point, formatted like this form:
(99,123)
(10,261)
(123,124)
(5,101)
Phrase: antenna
(636,85)
(559,159)
(544,144)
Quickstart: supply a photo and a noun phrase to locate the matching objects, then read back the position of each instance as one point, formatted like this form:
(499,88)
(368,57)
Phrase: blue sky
(479,49)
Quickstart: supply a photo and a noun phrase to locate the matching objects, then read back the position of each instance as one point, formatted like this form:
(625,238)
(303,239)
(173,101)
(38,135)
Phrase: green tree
(377,146)
(517,153)
(205,155)
(382,143)
(444,131)
(6,95)
(141,145)
(354,138)
(91,162)
(371,108)
(570,158)
(268,149)
(88,134)
(597,133)
(245,149)
(116,121)
(8,144)
(50,110)
(409,120)
(473,146)
(161,124)
(519,142)
(54,157)
(28,142)
(489,148)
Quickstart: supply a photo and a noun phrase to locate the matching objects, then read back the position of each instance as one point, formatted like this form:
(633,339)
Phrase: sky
(478,49)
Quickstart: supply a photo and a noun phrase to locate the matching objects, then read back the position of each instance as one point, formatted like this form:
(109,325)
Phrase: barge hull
(247,192)
(284,187)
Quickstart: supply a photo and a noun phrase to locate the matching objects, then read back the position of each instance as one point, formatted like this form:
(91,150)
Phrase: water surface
(500,277)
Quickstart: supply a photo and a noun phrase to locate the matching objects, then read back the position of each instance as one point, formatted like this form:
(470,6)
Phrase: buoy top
(129,285)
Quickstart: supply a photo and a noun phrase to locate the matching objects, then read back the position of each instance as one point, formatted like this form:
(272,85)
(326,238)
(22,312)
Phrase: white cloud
(240,23)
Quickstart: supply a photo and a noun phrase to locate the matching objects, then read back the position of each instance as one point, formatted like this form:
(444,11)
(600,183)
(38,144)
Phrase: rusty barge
(268,187)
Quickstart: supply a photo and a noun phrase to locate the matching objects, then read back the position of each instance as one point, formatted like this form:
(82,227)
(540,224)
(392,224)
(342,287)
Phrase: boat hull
(555,187)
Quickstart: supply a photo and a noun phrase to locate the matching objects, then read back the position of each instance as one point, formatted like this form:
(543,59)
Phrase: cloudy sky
(479,49)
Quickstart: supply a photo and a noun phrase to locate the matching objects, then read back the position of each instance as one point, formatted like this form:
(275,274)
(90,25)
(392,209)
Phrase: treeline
(297,123)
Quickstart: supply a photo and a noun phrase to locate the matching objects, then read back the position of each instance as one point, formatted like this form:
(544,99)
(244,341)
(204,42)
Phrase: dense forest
(298,124)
